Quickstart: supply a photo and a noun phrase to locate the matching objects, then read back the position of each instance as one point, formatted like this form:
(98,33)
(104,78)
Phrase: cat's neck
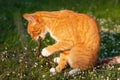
(50,27)
(49,18)
(49,23)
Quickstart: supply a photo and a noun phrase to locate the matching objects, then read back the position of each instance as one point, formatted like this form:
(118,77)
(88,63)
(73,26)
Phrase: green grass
(17,49)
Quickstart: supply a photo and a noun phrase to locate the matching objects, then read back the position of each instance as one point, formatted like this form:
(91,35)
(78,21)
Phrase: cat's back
(58,14)
(73,13)
(63,14)
(76,18)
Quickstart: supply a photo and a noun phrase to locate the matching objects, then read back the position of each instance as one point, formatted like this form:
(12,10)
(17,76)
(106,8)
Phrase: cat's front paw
(45,53)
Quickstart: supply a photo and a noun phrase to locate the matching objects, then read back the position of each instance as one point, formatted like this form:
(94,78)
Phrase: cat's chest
(52,35)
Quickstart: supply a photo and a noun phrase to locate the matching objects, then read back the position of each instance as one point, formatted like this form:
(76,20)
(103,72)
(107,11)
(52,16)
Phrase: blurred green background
(17,49)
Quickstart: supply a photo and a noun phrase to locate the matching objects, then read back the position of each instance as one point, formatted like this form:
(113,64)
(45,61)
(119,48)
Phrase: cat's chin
(38,37)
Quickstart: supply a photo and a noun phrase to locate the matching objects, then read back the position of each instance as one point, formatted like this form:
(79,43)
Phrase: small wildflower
(13,72)
(20,60)
(26,66)
(119,69)
(34,49)
(3,59)
(21,77)
(18,74)
(41,66)
(4,52)
(21,57)
(102,77)
(108,78)
(13,55)
(25,48)
(24,75)
(47,40)
(35,65)
(24,53)
(46,63)
(26,62)
(118,79)
(6,48)
(105,53)
(8,74)
(43,76)
(112,67)
(6,56)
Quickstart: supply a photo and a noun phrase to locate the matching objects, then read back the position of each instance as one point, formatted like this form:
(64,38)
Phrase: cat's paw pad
(53,71)
(57,59)
(45,53)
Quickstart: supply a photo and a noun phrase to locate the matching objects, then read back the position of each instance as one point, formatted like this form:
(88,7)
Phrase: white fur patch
(37,37)
(57,59)
(52,70)
(118,60)
(69,61)
(42,35)
(74,71)
(45,53)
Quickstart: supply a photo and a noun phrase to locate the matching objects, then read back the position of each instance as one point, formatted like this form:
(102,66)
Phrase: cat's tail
(108,61)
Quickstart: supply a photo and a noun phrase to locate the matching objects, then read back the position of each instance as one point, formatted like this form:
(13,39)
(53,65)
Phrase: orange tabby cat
(77,36)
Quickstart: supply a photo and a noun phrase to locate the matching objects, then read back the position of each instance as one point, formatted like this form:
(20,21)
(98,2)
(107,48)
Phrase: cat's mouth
(38,37)
(41,35)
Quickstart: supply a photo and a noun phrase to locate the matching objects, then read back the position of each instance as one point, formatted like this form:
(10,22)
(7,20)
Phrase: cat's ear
(30,17)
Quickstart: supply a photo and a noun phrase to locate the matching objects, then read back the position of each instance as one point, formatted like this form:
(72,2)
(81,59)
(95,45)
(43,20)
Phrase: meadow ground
(17,49)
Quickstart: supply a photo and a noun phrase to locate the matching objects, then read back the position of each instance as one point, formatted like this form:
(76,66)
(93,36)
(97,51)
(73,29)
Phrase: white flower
(43,76)
(20,60)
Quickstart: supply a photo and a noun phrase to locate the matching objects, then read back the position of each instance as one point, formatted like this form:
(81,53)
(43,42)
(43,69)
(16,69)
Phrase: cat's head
(36,26)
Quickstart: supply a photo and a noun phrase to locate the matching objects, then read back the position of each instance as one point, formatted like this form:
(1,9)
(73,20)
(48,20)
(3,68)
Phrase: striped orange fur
(77,36)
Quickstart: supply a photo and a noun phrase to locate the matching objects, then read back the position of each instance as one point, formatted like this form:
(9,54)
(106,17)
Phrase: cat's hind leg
(63,61)
(82,57)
